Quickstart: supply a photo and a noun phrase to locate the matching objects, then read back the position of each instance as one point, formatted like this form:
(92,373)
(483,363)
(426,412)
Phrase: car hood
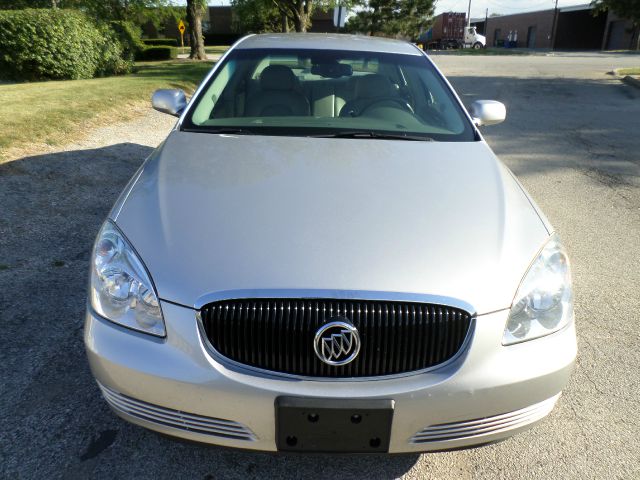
(210,214)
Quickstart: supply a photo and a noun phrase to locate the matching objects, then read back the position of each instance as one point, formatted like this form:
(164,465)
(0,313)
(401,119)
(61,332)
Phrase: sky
(503,7)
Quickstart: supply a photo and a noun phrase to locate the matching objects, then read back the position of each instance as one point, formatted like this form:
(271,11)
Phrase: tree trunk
(302,15)
(194,19)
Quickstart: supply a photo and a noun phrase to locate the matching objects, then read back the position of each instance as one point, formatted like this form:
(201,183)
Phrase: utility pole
(486,23)
(554,27)
(469,14)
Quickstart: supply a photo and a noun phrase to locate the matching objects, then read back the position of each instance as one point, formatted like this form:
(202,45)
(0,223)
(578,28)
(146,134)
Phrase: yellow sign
(182,28)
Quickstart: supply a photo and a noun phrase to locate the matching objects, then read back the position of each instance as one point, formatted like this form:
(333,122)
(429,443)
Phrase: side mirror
(487,112)
(172,102)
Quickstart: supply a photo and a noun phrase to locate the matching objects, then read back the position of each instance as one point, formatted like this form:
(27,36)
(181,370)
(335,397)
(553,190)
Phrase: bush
(128,34)
(166,42)
(158,53)
(111,60)
(56,44)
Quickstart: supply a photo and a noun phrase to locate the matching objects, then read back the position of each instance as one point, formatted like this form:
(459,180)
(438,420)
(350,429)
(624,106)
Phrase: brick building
(534,29)
(576,28)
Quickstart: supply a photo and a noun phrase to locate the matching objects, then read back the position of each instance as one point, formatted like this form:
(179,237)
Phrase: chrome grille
(484,426)
(278,334)
(176,418)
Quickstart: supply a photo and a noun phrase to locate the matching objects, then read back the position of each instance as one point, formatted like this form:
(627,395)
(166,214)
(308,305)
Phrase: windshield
(328,93)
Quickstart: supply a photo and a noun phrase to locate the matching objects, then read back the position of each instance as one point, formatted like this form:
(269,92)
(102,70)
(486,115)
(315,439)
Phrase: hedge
(157,53)
(129,37)
(167,42)
(57,44)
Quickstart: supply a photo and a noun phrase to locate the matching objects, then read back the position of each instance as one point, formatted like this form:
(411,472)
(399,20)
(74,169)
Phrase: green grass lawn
(633,71)
(57,112)
(218,49)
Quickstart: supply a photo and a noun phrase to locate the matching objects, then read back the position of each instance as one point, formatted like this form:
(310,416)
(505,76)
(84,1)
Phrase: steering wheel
(398,101)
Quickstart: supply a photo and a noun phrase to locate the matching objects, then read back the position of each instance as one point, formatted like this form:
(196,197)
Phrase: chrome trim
(242,368)
(308,294)
(469,429)
(177,419)
(319,342)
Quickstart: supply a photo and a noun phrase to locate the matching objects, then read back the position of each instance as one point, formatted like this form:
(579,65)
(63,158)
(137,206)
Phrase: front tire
(477,46)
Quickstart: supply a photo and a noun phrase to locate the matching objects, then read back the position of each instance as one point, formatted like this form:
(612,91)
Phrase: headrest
(372,86)
(277,77)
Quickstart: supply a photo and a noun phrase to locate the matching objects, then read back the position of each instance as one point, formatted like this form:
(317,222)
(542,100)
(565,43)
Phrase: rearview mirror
(487,112)
(172,102)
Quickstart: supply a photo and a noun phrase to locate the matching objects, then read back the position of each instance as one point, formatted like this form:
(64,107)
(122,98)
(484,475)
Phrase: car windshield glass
(327,93)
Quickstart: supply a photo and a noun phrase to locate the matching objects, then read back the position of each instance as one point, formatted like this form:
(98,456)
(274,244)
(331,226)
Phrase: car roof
(327,41)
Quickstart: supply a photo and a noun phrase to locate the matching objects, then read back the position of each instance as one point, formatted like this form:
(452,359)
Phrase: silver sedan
(324,255)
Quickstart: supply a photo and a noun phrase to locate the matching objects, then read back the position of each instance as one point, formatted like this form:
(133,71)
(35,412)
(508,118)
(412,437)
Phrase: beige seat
(373,89)
(278,95)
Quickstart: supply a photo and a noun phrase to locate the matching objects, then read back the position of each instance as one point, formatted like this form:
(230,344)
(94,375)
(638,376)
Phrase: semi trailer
(450,30)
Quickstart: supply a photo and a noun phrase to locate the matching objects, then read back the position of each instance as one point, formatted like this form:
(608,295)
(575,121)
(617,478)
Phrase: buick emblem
(337,342)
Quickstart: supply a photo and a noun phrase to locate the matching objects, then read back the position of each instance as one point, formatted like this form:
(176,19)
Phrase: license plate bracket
(333,425)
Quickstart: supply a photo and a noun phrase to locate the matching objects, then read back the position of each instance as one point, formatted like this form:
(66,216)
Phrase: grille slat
(277,334)
(176,418)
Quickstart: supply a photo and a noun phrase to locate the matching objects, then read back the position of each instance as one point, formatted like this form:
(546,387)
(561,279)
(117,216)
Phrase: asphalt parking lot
(572,137)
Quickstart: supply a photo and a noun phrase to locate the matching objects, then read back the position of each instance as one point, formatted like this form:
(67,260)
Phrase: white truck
(450,30)
(473,39)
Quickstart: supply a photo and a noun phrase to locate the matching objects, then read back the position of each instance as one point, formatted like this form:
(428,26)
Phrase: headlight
(121,289)
(544,301)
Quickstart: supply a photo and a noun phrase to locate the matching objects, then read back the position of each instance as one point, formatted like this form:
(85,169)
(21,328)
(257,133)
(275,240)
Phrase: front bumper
(174,386)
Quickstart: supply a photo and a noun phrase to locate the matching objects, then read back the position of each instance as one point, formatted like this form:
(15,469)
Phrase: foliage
(279,15)
(625,8)
(157,12)
(167,42)
(110,54)
(629,9)
(45,44)
(404,18)
(128,34)
(297,12)
(256,16)
(158,52)
(21,4)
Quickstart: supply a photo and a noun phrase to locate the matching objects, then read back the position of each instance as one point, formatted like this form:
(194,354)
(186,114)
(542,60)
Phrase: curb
(629,80)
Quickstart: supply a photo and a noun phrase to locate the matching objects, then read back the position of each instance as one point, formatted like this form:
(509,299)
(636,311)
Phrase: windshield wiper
(229,131)
(376,135)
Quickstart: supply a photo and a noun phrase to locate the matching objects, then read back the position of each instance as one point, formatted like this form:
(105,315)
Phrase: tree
(279,15)
(298,12)
(137,11)
(629,9)
(393,18)
(195,9)
(258,16)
